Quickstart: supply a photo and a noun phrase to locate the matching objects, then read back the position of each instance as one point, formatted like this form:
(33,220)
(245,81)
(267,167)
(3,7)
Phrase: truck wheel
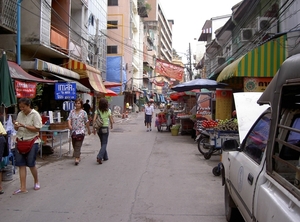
(203,149)
(216,171)
(231,212)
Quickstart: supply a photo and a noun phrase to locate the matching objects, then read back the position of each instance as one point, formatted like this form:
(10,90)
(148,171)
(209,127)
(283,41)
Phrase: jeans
(103,135)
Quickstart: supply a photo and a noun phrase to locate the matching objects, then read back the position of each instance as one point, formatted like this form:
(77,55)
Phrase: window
(112,24)
(113,49)
(112,3)
(256,140)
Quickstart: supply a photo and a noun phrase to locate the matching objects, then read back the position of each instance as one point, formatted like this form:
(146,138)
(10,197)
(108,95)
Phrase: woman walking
(28,125)
(78,123)
(105,113)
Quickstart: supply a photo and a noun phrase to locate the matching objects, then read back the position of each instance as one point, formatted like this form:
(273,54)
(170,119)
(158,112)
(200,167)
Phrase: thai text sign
(25,89)
(65,91)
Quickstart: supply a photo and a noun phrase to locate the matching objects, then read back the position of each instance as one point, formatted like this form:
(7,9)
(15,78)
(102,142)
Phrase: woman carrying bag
(105,113)
(78,123)
(27,125)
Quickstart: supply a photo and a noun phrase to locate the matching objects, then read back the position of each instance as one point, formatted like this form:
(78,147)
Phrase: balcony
(8,16)
(133,22)
(59,40)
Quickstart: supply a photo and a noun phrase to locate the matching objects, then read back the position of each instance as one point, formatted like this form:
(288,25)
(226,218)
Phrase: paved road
(149,177)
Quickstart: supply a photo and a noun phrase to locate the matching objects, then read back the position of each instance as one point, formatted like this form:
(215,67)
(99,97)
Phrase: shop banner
(256,84)
(170,70)
(204,106)
(65,91)
(25,89)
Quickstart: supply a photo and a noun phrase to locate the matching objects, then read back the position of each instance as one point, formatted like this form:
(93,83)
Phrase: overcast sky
(189,17)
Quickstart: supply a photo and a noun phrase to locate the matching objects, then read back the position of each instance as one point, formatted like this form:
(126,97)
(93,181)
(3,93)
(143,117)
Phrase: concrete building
(159,43)
(59,40)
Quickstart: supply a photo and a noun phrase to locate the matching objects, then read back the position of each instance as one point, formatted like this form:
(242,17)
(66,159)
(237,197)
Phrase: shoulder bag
(99,121)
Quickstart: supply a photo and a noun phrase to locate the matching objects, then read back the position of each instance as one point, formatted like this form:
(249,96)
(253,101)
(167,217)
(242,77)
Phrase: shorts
(27,159)
(148,118)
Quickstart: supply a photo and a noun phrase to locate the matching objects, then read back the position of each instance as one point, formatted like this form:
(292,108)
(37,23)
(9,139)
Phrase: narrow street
(150,176)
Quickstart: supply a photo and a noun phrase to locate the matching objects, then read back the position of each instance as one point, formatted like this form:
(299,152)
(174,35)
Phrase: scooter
(204,145)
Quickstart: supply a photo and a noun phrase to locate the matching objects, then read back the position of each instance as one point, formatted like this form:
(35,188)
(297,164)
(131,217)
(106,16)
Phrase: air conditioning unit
(247,34)
(267,24)
(221,60)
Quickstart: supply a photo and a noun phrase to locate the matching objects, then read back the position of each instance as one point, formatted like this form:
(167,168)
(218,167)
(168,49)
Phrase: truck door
(246,166)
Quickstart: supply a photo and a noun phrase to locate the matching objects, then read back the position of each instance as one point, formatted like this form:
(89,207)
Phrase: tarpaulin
(170,70)
(116,72)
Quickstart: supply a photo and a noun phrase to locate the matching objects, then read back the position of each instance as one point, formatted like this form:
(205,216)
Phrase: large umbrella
(7,90)
(198,84)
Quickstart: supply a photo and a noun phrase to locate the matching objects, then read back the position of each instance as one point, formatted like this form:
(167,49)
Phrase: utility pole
(190,62)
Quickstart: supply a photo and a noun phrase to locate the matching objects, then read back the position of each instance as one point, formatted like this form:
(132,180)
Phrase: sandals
(20,192)
(1,192)
(36,186)
(77,161)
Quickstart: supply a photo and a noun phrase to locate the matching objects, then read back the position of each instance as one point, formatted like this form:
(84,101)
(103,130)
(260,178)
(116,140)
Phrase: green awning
(263,61)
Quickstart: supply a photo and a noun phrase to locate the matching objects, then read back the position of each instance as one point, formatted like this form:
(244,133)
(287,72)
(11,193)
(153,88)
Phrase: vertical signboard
(224,102)
(204,106)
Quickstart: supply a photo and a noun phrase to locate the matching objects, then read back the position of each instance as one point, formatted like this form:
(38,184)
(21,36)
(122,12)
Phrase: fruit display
(209,123)
(221,125)
(227,125)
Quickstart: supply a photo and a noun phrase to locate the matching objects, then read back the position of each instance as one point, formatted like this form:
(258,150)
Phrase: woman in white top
(149,110)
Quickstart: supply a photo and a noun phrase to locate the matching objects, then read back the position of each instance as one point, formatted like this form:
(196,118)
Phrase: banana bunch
(227,125)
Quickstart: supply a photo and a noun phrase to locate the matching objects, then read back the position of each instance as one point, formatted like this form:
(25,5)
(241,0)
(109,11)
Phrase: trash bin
(174,131)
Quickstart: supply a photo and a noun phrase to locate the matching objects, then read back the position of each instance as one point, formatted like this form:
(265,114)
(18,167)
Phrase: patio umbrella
(7,90)
(198,84)
(110,93)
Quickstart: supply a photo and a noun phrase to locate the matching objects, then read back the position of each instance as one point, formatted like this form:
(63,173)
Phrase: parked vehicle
(261,177)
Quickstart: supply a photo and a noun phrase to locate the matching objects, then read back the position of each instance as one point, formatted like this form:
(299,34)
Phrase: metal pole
(190,62)
(19,32)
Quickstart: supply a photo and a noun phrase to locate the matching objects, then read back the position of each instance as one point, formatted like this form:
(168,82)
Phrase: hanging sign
(65,91)
(25,89)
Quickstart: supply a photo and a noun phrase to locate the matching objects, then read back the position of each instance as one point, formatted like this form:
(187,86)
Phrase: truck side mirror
(230,145)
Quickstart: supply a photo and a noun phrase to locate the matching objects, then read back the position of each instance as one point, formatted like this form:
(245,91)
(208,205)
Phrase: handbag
(77,137)
(24,146)
(99,121)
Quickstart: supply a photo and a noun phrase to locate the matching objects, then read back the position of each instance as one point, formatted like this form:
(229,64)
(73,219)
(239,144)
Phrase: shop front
(251,72)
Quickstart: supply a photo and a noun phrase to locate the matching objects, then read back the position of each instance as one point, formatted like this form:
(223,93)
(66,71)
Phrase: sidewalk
(67,146)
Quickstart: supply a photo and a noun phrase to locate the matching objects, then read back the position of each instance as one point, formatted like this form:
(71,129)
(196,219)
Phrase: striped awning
(41,65)
(87,72)
(263,61)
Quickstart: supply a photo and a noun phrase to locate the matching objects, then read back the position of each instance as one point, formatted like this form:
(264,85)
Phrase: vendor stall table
(59,133)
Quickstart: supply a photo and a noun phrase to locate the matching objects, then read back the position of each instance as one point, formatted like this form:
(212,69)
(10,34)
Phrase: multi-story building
(59,40)
(253,43)
(159,44)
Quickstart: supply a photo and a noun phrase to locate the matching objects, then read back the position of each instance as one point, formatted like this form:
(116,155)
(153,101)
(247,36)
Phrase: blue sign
(65,91)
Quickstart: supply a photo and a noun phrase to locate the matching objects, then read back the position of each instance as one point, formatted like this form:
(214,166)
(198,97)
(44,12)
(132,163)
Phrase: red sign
(25,89)
(170,70)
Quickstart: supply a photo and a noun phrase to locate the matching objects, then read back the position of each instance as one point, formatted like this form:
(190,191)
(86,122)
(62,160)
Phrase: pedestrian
(78,124)
(27,125)
(105,113)
(87,107)
(149,110)
(3,146)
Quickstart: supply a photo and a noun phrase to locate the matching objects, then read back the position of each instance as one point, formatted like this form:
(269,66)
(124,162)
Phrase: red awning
(108,84)
(16,72)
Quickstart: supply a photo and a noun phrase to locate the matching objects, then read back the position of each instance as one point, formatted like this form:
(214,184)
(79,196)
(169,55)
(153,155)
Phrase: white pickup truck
(261,176)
